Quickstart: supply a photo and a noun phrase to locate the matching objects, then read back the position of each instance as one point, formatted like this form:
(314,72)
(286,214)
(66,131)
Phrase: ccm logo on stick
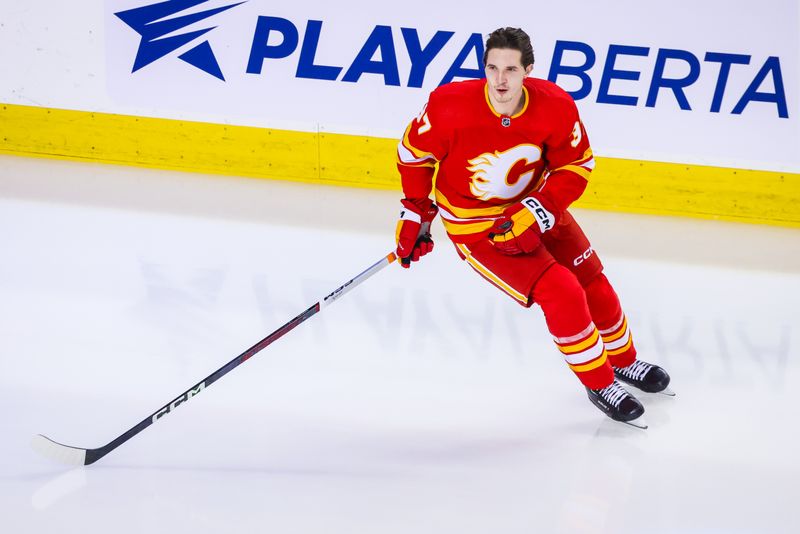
(337,293)
(180,400)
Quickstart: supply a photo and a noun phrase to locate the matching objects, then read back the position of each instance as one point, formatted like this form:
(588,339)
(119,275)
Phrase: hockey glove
(413,229)
(520,228)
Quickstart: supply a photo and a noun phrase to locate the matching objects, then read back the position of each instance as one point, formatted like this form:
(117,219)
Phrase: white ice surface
(422,402)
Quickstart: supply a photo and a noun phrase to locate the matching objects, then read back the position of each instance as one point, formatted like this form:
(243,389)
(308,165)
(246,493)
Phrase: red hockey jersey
(483,161)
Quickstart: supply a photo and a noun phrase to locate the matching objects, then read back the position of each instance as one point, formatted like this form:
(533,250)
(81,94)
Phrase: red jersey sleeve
(568,157)
(422,146)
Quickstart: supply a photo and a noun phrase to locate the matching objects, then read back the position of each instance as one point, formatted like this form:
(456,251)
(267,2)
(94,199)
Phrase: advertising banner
(709,83)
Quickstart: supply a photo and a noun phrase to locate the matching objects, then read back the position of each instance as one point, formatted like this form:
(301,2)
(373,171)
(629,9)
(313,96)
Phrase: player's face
(504,74)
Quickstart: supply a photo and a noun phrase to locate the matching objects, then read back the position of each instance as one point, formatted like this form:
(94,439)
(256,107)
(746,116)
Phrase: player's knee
(563,301)
(594,279)
(557,284)
(598,287)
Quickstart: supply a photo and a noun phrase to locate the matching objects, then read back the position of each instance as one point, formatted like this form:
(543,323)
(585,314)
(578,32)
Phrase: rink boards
(351,160)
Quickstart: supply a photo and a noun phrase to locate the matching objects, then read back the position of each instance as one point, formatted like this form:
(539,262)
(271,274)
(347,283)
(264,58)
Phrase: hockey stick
(79,456)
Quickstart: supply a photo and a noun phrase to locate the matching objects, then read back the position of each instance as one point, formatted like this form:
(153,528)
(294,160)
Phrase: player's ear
(528,69)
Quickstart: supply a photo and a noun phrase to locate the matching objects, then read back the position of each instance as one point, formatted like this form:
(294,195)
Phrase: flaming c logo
(503,175)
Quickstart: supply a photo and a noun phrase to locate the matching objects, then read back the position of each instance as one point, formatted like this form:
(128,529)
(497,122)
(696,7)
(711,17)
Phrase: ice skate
(615,401)
(645,376)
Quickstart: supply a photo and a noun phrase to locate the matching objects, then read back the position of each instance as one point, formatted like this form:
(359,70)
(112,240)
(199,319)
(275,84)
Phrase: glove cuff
(410,213)
(422,207)
(545,218)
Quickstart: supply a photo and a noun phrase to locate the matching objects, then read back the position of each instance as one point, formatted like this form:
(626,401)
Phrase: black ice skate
(645,376)
(618,404)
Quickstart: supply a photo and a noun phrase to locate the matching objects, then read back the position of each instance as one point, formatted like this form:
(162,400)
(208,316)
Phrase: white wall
(79,55)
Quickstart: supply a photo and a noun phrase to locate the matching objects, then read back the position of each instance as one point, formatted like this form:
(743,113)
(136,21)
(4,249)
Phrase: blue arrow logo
(153,22)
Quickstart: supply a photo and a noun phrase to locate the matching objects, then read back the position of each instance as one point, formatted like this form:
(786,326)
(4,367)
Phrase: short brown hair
(513,38)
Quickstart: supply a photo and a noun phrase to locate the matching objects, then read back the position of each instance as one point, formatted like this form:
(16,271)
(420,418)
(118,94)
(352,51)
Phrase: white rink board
(79,55)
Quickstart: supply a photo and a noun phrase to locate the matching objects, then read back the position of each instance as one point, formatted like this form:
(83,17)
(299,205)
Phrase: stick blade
(56,451)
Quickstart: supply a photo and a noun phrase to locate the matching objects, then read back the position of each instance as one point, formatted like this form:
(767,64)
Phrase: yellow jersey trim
(420,154)
(466,229)
(491,107)
(469,212)
(587,343)
(621,331)
(580,171)
(615,352)
(478,266)
(582,368)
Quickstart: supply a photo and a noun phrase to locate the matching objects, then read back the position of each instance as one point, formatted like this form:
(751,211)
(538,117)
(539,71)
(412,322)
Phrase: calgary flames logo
(503,175)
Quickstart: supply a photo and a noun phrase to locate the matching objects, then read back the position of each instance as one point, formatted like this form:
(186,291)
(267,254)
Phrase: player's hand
(520,228)
(413,229)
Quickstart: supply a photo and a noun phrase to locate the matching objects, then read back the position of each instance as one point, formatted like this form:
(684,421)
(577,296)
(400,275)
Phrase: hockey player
(509,154)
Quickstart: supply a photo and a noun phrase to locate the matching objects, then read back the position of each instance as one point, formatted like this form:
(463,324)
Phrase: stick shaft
(92,455)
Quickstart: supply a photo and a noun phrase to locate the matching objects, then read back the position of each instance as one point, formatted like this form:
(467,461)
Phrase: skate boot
(615,401)
(645,376)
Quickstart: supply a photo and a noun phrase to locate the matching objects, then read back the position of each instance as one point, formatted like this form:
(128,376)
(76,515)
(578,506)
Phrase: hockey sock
(566,312)
(611,321)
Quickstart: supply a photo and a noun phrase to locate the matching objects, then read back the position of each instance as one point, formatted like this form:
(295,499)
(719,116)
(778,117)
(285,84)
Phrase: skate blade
(639,422)
(667,391)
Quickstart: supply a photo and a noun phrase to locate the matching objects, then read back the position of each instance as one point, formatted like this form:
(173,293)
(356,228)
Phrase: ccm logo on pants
(583,257)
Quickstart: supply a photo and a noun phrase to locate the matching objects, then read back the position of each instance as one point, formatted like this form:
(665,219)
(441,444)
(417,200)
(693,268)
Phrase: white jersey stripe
(595,351)
(406,156)
(577,337)
(619,343)
(613,328)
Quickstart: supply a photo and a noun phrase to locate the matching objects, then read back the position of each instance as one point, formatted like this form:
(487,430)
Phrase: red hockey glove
(413,229)
(520,228)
